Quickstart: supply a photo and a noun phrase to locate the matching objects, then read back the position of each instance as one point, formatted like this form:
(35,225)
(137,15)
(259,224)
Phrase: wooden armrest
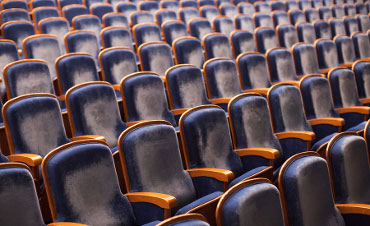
(29,159)
(134,122)
(258,90)
(221,101)
(355,109)
(117,87)
(89,137)
(330,121)
(294,83)
(325,70)
(179,111)
(354,208)
(62,97)
(20,52)
(219,174)
(365,100)
(269,153)
(66,224)
(1,80)
(304,135)
(347,65)
(162,200)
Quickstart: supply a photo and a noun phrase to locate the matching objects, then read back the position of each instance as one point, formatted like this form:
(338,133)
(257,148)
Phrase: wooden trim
(365,110)
(362,209)
(303,135)
(219,174)
(269,153)
(14,164)
(29,159)
(183,217)
(162,200)
(339,122)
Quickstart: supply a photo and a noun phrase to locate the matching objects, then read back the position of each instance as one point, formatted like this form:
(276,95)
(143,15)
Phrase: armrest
(162,200)
(258,90)
(179,111)
(89,137)
(29,159)
(364,110)
(354,208)
(221,101)
(66,224)
(62,97)
(268,153)
(365,100)
(304,135)
(325,70)
(330,121)
(291,82)
(219,174)
(117,87)
(134,122)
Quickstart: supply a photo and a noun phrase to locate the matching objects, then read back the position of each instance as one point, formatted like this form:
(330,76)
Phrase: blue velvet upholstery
(189,4)
(350,169)
(83,42)
(327,54)
(337,11)
(224,25)
(126,8)
(209,12)
(115,19)
(18,198)
(325,13)
(337,27)
(311,15)
(305,185)
(117,63)
(351,25)
(36,125)
(265,39)
(145,98)
(222,78)
(322,29)
(252,204)
(117,36)
(189,51)
(95,111)
(144,33)
(17,31)
(101,9)
(263,20)
(291,5)
(317,3)
(62,3)
(150,6)
(173,30)
(281,65)
(206,2)
(360,8)
(362,45)
(27,77)
(140,17)
(346,49)
(277,6)
(14,4)
(305,59)
(287,35)
(156,57)
(150,172)
(242,41)
(89,3)
(263,7)
(14,15)
(165,15)
(88,23)
(246,8)
(217,45)
(84,187)
(45,48)
(349,10)
(190,223)
(188,13)
(229,10)
(244,22)
(296,16)
(253,71)
(362,73)
(75,69)
(8,54)
(171,4)
(58,27)
(199,27)
(71,11)
(363,22)
(280,17)
(186,87)
(42,13)
(306,33)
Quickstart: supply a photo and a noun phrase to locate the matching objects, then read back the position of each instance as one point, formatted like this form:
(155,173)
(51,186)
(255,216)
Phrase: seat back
(155,57)
(144,33)
(16,4)
(100,9)
(304,184)
(34,124)
(306,32)
(311,15)
(363,23)
(206,139)
(246,8)
(325,13)
(8,54)
(17,31)
(188,50)
(217,45)
(185,87)
(141,17)
(148,171)
(7,15)
(199,27)
(262,7)
(173,30)
(88,23)
(164,15)
(296,16)
(263,20)
(337,27)
(305,59)
(286,107)
(82,186)
(361,69)
(139,93)
(287,35)
(253,71)
(209,12)
(228,9)
(57,26)
(27,76)
(115,19)
(73,69)
(242,41)
(360,8)
(244,22)
(327,53)
(349,9)
(116,37)
(280,17)
(223,24)
(150,6)
(346,49)
(45,47)
(281,65)
(351,25)
(170,4)
(185,219)
(277,6)
(337,11)
(116,63)
(347,158)
(44,12)
(343,87)
(41,3)
(265,39)
(322,29)
(221,78)
(63,3)
(18,196)
(126,8)
(188,4)
(317,98)
(188,13)
(235,205)
(70,11)
(291,5)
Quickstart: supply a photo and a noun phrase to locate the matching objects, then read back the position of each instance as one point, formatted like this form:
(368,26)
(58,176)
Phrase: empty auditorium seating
(361,69)
(287,35)
(57,26)
(265,39)
(188,50)
(13,15)
(327,54)
(114,36)
(43,12)
(305,59)
(173,30)
(115,19)
(8,54)
(144,33)
(217,45)
(281,65)
(17,31)
(242,41)
(199,27)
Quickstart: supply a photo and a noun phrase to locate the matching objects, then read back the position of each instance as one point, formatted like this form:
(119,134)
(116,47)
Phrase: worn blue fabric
(327,54)
(228,10)
(206,2)
(40,3)
(337,27)
(200,27)
(306,33)
(88,23)
(58,27)
(8,54)
(95,111)
(189,4)
(43,13)
(165,15)
(338,11)
(209,12)
(349,10)
(311,15)
(287,35)
(244,22)
(100,10)
(246,8)
(14,4)
(172,5)
(190,223)
(266,39)
(362,45)
(198,202)
(18,198)
(322,29)
(325,13)
(281,65)
(189,51)
(262,7)
(350,24)
(70,12)
(280,18)
(36,125)
(147,33)
(62,3)
(118,63)
(190,12)
(115,19)
(243,41)
(363,22)
(117,36)
(277,6)
(263,20)
(18,31)
(141,17)
(305,59)
(223,25)
(297,16)
(253,71)
(14,15)
(156,57)
(254,204)
(173,30)
(151,6)
(346,49)
(126,8)
(362,74)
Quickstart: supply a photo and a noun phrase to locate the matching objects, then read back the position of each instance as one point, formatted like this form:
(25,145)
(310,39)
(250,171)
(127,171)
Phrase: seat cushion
(357,127)
(246,175)
(198,202)
(322,141)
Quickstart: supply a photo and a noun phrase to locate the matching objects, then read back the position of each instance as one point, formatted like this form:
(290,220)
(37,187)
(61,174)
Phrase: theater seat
(217,45)
(146,32)
(57,26)
(188,50)
(173,30)
(281,65)
(8,54)
(115,36)
(265,39)
(305,59)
